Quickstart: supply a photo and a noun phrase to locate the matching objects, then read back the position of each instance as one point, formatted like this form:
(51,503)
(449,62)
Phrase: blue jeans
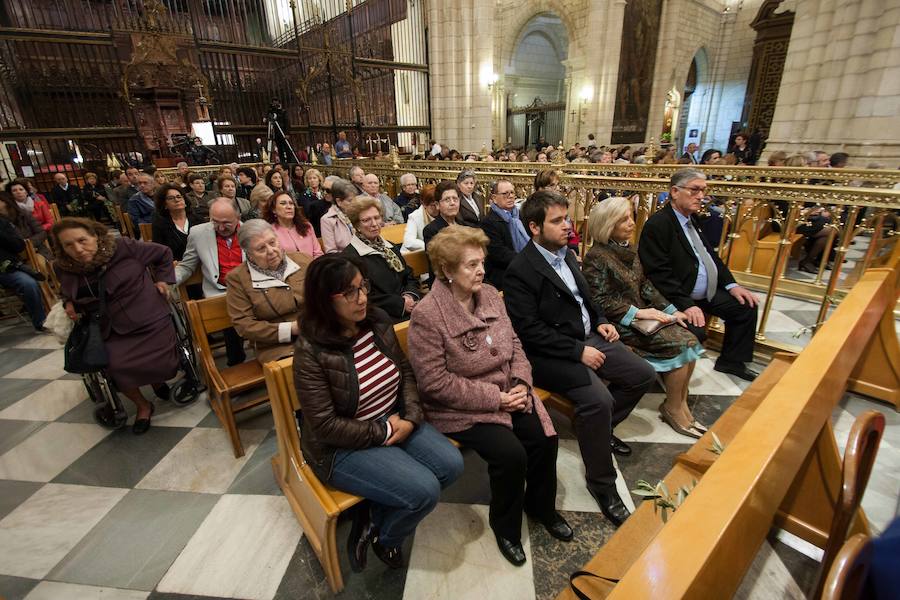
(30,290)
(403,482)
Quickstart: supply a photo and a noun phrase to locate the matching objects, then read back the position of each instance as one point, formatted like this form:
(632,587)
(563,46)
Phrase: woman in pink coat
(294,231)
(475,386)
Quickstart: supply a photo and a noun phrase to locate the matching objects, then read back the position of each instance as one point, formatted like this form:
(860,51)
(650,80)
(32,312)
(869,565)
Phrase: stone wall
(841,85)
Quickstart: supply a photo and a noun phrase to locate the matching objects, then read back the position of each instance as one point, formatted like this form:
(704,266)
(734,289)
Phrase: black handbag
(85,351)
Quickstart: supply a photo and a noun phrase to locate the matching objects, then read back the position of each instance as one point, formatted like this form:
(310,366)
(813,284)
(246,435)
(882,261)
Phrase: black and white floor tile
(86,513)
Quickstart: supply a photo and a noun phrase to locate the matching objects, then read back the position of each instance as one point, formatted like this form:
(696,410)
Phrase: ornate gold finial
(315,156)
(650,152)
(395,157)
(484,151)
(560,157)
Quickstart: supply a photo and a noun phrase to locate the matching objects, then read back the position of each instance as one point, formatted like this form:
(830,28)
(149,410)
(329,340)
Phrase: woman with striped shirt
(361,421)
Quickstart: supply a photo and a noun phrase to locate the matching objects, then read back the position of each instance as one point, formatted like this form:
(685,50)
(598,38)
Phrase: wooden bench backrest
(146,232)
(417,261)
(208,316)
(710,542)
(54,210)
(124,220)
(394,233)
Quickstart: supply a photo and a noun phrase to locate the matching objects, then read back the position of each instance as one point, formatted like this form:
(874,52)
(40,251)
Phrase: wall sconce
(492,79)
(587,92)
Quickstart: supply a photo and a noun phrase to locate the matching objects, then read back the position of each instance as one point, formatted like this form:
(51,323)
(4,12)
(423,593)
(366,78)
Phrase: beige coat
(262,308)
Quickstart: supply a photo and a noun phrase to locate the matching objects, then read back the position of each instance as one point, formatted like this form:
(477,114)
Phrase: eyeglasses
(694,191)
(175,197)
(352,295)
(508,194)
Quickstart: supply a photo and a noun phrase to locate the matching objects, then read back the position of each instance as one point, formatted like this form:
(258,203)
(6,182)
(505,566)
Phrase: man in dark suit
(64,194)
(572,346)
(505,231)
(682,265)
(471,203)
(690,153)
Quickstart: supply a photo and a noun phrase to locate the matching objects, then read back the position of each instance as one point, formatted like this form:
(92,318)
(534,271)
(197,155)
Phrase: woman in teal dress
(618,285)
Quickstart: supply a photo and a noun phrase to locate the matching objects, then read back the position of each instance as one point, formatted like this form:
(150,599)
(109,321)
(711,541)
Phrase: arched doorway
(696,92)
(536,83)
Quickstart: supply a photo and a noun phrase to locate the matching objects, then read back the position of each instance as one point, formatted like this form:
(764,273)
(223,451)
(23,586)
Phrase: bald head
(370,184)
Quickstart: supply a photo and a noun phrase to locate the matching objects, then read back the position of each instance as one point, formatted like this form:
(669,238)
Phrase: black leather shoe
(611,504)
(141,426)
(619,447)
(557,527)
(511,551)
(358,541)
(738,371)
(808,268)
(392,557)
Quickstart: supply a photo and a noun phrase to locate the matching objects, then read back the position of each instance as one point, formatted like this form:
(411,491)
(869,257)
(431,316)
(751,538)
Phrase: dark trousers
(234,347)
(522,468)
(599,408)
(740,327)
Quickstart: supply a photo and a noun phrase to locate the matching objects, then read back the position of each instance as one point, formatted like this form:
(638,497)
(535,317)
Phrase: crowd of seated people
(597,334)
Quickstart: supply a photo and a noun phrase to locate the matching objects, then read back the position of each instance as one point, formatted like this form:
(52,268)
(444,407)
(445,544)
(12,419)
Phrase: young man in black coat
(572,346)
(682,265)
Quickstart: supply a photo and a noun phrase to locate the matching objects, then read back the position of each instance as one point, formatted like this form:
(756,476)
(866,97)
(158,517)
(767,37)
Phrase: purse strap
(101,292)
(581,595)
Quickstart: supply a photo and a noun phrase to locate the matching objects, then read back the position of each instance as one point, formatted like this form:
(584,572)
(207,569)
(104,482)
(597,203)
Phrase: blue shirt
(557,261)
(699,291)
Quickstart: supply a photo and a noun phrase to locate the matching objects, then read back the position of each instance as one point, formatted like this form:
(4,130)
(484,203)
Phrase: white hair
(250,230)
(407,178)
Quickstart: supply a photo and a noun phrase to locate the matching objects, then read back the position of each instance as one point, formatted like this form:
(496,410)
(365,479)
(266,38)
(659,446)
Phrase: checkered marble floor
(90,514)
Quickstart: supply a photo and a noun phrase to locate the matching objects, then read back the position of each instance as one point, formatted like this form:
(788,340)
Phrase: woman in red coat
(34,204)
(137,327)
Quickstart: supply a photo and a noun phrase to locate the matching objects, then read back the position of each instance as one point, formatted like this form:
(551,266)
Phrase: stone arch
(698,102)
(521,20)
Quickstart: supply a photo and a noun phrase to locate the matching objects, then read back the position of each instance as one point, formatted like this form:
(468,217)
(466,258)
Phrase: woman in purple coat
(475,386)
(137,328)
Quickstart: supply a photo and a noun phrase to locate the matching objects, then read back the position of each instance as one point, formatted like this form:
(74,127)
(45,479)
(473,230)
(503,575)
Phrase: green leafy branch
(663,499)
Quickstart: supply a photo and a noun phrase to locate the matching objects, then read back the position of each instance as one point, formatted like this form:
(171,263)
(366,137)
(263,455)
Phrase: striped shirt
(379,379)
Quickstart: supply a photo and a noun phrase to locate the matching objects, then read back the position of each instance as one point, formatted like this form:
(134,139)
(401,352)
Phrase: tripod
(270,135)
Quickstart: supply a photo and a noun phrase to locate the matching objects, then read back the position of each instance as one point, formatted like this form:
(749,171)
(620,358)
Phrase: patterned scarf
(516,228)
(378,245)
(106,247)
(28,205)
(276,273)
(343,218)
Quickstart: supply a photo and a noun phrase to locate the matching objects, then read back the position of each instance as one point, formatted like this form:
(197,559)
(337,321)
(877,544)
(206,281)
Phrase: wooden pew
(124,219)
(394,233)
(780,466)
(54,210)
(146,232)
(418,262)
(765,239)
(209,316)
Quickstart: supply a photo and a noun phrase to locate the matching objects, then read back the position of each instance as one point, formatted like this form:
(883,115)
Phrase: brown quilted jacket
(328,391)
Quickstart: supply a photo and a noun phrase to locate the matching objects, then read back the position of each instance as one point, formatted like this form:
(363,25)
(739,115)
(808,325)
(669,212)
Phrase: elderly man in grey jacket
(372,187)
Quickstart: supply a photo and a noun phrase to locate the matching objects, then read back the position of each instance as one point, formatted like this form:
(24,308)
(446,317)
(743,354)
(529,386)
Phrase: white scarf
(28,205)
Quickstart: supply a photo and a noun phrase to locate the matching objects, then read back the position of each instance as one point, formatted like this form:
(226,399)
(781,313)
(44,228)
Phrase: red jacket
(41,212)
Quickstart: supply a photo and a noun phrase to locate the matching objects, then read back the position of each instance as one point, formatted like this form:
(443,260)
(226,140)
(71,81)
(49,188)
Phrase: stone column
(602,70)
(462,62)
(841,85)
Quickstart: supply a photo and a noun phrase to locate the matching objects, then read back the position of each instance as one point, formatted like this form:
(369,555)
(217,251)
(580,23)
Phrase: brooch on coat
(469,341)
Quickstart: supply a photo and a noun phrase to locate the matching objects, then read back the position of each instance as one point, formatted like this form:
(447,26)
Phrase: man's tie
(712,274)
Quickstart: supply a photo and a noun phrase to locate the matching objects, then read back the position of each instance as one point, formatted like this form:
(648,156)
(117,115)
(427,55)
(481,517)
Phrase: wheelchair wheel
(185,392)
(106,417)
